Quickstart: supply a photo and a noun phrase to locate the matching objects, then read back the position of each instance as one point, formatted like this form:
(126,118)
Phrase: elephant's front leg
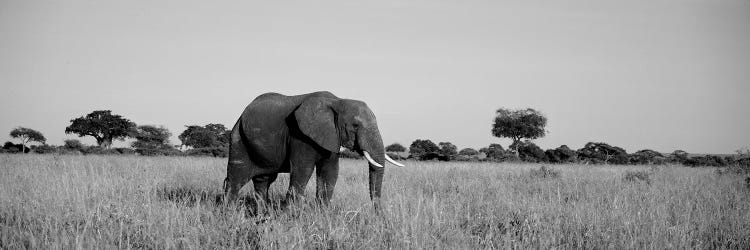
(302,163)
(327,172)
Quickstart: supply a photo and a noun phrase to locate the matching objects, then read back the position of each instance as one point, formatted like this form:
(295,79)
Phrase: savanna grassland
(63,201)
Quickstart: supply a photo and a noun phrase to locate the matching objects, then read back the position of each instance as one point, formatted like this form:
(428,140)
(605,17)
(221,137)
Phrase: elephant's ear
(315,118)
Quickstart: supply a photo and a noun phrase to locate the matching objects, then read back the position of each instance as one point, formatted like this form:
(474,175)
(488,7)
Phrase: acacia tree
(519,124)
(103,126)
(26,135)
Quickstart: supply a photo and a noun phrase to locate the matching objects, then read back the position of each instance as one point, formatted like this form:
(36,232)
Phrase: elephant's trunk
(371,142)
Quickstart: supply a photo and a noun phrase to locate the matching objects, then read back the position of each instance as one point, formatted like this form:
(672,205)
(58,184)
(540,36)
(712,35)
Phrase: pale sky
(662,75)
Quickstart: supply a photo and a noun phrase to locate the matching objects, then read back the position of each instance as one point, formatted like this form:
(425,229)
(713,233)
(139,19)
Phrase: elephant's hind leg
(239,167)
(261,184)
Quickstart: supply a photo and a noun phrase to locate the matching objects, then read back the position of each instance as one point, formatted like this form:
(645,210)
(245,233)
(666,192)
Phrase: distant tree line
(521,126)
(105,127)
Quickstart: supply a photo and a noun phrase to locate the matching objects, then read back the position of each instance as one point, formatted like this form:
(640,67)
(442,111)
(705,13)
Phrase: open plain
(97,202)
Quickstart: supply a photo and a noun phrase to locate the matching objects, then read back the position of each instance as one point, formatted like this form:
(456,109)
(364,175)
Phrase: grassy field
(49,201)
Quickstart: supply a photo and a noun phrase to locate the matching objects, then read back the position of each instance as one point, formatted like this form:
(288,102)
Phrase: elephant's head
(334,123)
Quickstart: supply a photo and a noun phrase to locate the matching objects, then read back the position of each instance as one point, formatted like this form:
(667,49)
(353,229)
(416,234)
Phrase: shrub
(429,156)
(125,151)
(87,150)
(646,156)
(447,151)
(45,149)
(395,156)
(468,152)
(562,154)
(634,176)
(678,156)
(467,158)
(495,152)
(528,151)
(705,161)
(420,149)
(15,148)
(599,152)
(212,151)
(396,147)
(73,144)
(346,153)
(544,172)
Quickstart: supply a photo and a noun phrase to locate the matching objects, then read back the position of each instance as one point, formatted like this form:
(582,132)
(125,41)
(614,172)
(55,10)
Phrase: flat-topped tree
(26,135)
(103,126)
(519,124)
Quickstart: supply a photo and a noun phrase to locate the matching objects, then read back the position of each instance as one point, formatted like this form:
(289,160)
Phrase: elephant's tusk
(388,158)
(373,162)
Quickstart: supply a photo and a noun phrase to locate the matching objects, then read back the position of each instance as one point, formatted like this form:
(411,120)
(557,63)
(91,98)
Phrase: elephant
(298,134)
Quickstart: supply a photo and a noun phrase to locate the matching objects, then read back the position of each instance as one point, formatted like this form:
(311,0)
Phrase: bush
(562,154)
(91,150)
(45,149)
(73,144)
(348,154)
(468,152)
(544,172)
(125,151)
(634,176)
(599,152)
(678,156)
(13,148)
(395,156)
(646,156)
(153,150)
(423,149)
(496,152)
(528,151)
(213,152)
(429,156)
(396,147)
(705,161)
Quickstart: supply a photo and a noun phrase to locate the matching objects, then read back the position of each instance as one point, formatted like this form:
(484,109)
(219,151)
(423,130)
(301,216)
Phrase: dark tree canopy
(561,154)
(151,136)
(494,151)
(448,150)
(223,135)
(421,147)
(599,152)
(647,156)
(73,144)
(528,151)
(153,140)
(15,148)
(468,152)
(519,124)
(103,126)
(26,135)
(211,135)
(396,147)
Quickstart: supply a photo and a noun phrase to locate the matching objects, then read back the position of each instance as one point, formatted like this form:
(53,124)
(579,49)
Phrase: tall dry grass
(171,202)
